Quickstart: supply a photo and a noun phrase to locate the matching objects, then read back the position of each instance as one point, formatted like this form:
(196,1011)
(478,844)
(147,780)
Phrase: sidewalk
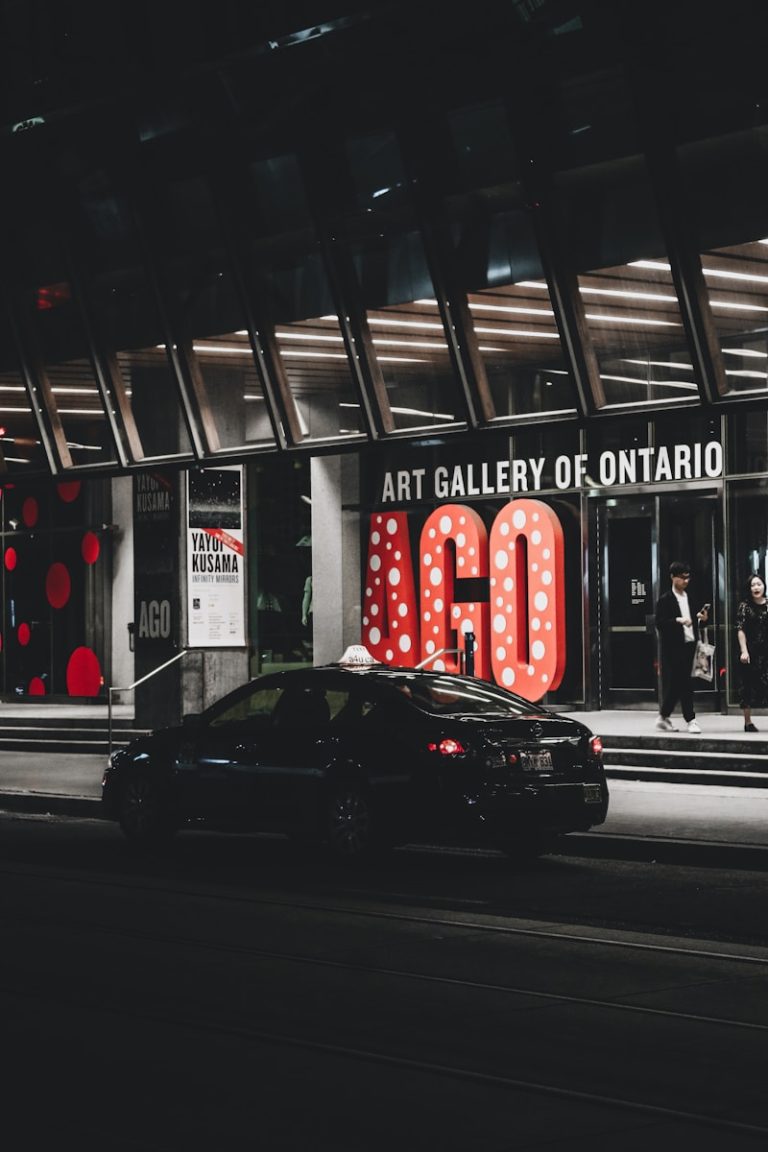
(657,814)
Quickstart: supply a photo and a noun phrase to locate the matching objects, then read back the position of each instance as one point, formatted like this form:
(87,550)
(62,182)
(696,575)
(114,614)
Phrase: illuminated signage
(519,631)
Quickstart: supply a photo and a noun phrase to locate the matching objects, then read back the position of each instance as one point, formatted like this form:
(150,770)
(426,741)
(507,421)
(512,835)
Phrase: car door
(293,756)
(218,771)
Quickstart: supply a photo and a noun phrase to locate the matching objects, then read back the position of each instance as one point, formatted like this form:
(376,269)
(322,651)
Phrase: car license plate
(536,761)
(593,793)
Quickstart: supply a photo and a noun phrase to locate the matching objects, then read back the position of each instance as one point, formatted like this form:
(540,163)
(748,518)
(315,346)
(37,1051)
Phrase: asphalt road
(233,992)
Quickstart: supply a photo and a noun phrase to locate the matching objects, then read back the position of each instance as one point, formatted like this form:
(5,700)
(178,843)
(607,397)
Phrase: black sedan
(363,756)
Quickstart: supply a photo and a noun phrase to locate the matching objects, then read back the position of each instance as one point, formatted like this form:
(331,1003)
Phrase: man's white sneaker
(693,727)
(664,724)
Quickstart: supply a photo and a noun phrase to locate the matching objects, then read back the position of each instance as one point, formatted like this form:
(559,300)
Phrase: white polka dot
(530,670)
(508,677)
(377,581)
(456,612)
(446,524)
(427,617)
(460,540)
(394,596)
(435,577)
(546,576)
(390,655)
(435,630)
(548,626)
(460,562)
(472,551)
(389,545)
(467,626)
(402,610)
(391,527)
(375,563)
(508,584)
(499,601)
(394,576)
(546,554)
(519,518)
(536,537)
(404,643)
(379,519)
(375,537)
(534,567)
(504,530)
(426,593)
(438,604)
(395,623)
(501,653)
(427,559)
(430,646)
(374,635)
(365,621)
(499,623)
(369,591)
(544,677)
(535,624)
(374,609)
(398,555)
(439,665)
(502,559)
(541,600)
(432,533)
(538,650)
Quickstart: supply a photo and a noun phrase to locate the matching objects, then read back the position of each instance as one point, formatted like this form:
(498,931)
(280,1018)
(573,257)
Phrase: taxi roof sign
(357,656)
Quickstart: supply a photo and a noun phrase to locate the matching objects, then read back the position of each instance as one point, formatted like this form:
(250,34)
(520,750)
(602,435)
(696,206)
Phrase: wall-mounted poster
(215,558)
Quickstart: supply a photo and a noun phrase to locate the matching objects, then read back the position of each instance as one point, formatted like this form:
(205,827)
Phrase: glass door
(638,537)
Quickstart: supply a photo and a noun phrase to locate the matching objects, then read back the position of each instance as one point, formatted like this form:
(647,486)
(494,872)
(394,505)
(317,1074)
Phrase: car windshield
(458,696)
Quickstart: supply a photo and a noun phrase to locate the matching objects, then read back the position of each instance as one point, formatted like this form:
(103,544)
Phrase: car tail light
(596,747)
(448,747)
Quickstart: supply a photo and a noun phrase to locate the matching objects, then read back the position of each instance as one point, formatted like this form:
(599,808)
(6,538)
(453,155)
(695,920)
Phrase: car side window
(257,705)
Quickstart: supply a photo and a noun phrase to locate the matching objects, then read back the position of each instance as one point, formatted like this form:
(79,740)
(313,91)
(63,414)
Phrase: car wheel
(350,822)
(143,810)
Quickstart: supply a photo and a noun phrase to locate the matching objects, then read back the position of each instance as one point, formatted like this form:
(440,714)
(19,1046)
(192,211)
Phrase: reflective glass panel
(397,291)
(207,307)
(495,252)
(609,222)
(21,450)
(292,296)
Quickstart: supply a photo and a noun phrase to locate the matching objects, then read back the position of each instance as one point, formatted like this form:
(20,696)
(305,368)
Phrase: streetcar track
(459,924)
(427,1067)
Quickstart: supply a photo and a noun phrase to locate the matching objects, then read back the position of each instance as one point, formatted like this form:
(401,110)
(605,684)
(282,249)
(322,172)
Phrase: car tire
(143,810)
(351,831)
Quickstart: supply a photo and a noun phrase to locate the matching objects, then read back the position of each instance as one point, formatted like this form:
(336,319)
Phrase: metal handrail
(440,652)
(130,687)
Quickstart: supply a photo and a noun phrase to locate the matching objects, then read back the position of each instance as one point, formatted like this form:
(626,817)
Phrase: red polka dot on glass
(30,512)
(36,687)
(90,547)
(57,585)
(24,634)
(83,673)
(11,559)
(69,490)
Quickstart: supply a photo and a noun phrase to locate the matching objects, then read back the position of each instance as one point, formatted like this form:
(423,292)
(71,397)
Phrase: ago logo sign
(519,632)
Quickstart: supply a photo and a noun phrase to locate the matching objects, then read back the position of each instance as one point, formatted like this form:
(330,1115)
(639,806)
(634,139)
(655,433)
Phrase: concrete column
(335,556)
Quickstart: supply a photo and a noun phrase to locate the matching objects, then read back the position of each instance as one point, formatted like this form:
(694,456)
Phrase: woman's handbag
(703,658)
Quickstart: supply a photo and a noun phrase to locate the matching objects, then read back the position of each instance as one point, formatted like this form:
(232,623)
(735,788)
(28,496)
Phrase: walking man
(677,636)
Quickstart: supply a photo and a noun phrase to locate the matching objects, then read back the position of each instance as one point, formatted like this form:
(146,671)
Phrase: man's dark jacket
(671,634)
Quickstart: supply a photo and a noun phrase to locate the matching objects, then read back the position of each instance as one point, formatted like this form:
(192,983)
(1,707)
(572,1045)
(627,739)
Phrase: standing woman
(752,633)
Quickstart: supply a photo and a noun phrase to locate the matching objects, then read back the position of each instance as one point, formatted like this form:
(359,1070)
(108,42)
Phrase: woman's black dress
(752,619)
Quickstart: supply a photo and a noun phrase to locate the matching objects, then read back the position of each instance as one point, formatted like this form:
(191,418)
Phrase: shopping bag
(703,659)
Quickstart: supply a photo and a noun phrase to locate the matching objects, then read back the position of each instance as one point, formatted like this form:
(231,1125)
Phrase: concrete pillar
(335,556)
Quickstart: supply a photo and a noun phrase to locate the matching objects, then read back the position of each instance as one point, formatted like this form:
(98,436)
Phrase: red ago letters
(519,634)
